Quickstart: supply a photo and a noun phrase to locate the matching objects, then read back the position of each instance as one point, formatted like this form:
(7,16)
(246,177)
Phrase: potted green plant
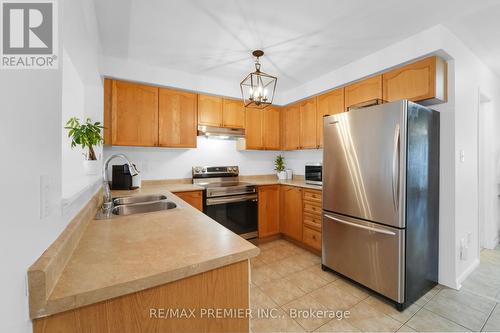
(279,166)
(87,135)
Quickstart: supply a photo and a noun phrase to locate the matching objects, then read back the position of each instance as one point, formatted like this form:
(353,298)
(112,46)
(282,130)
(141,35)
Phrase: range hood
(221,132)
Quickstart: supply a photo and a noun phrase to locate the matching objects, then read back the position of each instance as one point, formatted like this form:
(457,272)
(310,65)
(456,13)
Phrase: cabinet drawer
(312,238)
(312,195)
(312,207)
(312,221)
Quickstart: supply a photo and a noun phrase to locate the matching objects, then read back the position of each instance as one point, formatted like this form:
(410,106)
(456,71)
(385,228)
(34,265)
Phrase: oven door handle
(236,198)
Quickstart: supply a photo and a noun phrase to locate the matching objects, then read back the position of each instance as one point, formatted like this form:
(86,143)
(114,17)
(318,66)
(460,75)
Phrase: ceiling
(302,39)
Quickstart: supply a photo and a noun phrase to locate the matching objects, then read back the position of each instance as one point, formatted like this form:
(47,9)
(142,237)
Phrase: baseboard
(467,272)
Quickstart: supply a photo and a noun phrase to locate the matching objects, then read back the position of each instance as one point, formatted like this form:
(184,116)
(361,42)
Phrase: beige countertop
(184,185)
(298,181)
(132,253)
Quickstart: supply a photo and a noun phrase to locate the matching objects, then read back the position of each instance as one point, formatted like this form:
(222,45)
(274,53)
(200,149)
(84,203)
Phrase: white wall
(166,163)
(296,160)
(31,145)
(489,166)
(82,90)
(30,107)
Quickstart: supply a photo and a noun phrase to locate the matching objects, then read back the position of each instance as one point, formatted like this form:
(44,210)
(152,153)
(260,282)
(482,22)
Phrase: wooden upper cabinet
(209,110)
(177,118)
(363,91)
(291,127)
(329,103)
(269,210)
(308,124)
(134,113)
(233,113)
(271,128)
(422,81)
(108,87)
(291,212)
(253,131)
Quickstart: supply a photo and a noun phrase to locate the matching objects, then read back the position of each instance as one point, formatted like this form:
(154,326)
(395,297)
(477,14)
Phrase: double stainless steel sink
(139,204)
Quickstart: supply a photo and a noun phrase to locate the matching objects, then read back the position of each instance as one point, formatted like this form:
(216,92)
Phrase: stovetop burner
(221,181)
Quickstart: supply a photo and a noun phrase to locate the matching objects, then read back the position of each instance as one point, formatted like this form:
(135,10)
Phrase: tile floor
(285,278)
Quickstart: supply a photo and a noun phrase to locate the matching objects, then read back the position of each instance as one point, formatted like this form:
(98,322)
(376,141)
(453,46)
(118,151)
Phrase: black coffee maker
(122,180)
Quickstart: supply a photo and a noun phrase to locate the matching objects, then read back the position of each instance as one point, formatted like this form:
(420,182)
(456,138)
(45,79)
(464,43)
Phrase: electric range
(227,200)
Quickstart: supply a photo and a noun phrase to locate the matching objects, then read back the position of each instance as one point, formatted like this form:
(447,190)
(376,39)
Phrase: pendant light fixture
(257,88)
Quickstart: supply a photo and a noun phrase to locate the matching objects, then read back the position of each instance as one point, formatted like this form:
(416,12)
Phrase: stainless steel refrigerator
(380,225)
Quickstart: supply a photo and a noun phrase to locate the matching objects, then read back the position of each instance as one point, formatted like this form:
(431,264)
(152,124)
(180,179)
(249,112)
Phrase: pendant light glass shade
(257,88)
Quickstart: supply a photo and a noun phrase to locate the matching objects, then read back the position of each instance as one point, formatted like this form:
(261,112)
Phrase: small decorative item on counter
(279,166)
(289,173)
(87,136)
(136,181)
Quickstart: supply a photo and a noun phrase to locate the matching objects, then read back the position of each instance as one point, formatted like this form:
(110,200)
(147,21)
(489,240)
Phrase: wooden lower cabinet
(312,202)
(194,198)
(222,288)
(291,212)
(312,238)
(269,214)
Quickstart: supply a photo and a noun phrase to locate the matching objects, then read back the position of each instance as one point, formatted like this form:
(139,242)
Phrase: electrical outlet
(469,238)
(462,155)
(45,189)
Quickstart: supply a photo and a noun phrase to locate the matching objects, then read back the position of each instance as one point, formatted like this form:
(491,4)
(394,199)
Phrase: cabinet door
(108,87)
(209,110)
(134,113)
(253,131)
(363,91)
(421,80)
(194,198)
(291,212)
(327,104)
(308,124)
(233,113)
(177,119)
(269,198)
(271,128)
(291,127)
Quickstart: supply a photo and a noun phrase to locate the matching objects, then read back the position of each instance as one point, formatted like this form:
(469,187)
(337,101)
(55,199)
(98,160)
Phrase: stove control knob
(204,170)
(197,170)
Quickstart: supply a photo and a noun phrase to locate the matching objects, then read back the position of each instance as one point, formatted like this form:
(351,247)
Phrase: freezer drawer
(368,253)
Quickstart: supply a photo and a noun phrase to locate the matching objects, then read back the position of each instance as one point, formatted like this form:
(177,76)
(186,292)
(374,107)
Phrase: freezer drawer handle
(381,231)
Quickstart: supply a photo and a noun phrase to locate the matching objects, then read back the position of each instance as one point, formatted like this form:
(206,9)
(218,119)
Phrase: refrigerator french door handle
(380,231)
(395,168)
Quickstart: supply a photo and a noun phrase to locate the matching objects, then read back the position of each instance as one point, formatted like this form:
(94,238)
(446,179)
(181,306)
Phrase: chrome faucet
(107,205)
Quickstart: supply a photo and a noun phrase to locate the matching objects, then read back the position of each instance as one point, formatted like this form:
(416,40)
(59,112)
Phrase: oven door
(238,213)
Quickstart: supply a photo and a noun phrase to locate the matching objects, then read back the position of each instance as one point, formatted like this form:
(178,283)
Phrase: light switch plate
(462,156)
